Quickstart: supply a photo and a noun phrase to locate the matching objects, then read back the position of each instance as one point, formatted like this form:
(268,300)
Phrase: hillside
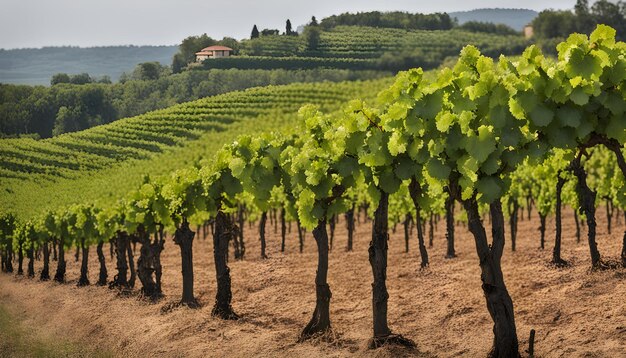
(515,18)
(105,162)
(36,66)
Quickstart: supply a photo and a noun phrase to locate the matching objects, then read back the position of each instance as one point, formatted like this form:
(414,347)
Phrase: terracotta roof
(216,48)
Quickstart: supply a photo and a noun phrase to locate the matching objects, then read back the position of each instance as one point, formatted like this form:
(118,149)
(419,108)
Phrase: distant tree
(60,78)
(67,120)
(148,71)
(488,27)
(551,24)
(288,29)
(178,63)
(255,32)
(581,8)
(313,21)
(612,14)
(81,79)
(585,22)
(270,32)
(230,42)
(105,79)
(312,36)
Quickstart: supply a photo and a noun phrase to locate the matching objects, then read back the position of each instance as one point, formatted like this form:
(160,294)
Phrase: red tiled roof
(216,48)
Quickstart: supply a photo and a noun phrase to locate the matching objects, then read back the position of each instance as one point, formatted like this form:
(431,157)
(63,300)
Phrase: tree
(60,78)
(288,29)
(81,79)
(255,33)
(67,120)
(148,71)
(312,36)
(269,32)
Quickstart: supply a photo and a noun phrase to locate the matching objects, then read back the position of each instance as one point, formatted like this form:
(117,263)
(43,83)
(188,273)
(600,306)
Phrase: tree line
(558,24)
(67,106)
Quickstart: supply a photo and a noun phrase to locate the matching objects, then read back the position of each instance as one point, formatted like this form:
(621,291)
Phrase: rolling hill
(36,66)
(515,18)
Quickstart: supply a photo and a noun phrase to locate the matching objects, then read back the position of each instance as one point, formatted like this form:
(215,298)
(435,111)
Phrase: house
(528,31)
(213,52)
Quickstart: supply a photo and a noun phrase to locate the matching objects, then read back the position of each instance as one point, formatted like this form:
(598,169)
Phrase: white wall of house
(212,54)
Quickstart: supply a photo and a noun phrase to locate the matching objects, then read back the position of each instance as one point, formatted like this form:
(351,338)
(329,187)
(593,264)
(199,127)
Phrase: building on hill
(528,31)
(213,52)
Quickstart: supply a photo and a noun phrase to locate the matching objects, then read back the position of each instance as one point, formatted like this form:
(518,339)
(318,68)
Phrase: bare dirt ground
(575,311)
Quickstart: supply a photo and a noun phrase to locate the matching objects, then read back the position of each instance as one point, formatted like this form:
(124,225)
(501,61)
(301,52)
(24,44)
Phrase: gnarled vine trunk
(514,213)
(104,275)
(499,303)
(59,276)
(121,247)
(415,190)
(283,230)
(449,206)
(31,261)
(300,235)
(20,258)
(577,225)
(148,265)
(349,216)
(183,237)
(406,224)
(8,264)
(587,198)
(84,269)
(320,322)
(542,230)
(225,230)
(262,224)
(131,261)
(378,260)
(45,271)
(556,253)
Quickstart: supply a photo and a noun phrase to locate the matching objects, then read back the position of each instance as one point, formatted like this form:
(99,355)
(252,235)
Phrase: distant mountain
(515,18)
(36,66)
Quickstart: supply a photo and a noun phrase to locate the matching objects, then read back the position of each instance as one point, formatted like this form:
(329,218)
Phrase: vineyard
(361,47)
(466,158)
(371,42)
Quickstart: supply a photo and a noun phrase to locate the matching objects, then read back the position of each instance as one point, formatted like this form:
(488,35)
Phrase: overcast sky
(36,23)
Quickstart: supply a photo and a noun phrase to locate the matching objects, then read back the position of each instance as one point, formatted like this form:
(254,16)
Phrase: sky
(85,23)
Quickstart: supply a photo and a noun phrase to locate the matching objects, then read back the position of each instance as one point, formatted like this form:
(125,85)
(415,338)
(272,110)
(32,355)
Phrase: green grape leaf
(406,168)
(569,116)
(541,115)
(479,147)
(490,189)
(444,121)
(388,181)
(437,170)
(616,128)
(579,96)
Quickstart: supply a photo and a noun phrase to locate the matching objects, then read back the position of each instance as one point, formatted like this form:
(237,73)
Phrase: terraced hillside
(105,161)
(360,42)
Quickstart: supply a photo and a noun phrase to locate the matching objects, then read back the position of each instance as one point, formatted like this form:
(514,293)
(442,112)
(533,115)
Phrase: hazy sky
(36,23)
